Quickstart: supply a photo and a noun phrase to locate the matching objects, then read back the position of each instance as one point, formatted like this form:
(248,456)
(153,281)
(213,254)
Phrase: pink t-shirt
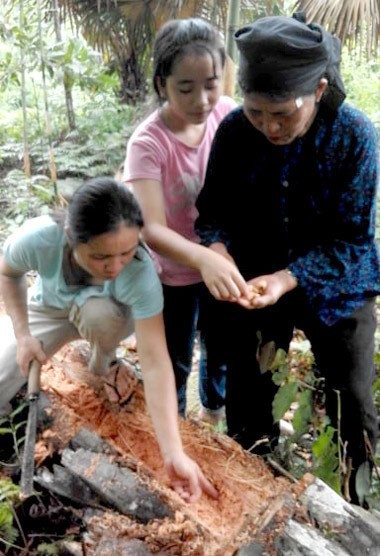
(154,152)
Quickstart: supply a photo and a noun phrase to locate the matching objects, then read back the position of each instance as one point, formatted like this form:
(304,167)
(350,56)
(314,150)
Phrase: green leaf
(17,426)
(280,360)
(303,413)
(6,516)
(8,490)
(280,376)
(323,441)
(285,395)
(8,534)
(21,440)
(48,549)
(18,409)
(326,459)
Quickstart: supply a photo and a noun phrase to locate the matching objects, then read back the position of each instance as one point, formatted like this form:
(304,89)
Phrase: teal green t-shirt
(39,245)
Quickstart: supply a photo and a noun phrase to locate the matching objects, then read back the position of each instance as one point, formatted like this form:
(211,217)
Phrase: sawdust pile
(249,492)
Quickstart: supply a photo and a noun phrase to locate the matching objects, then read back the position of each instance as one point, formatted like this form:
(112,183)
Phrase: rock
(117,486)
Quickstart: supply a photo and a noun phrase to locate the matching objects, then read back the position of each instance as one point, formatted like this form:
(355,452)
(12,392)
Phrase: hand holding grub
(266,290)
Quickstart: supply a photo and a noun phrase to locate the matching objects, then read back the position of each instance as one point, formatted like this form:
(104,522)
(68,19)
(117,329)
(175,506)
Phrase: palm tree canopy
(355,22)
(124,30)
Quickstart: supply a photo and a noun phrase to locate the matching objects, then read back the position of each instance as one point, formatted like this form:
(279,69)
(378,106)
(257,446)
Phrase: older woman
(290,196)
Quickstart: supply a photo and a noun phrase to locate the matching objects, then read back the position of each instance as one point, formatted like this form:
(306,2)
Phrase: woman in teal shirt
(95,280)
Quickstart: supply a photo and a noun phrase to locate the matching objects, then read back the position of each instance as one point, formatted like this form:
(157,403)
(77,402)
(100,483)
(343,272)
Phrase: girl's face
(105,255)
(193,88)
(282,122)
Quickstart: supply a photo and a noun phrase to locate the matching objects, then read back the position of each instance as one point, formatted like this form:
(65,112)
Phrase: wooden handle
(34,379)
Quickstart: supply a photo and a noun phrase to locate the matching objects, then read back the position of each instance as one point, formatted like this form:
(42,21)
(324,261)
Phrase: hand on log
(187,479)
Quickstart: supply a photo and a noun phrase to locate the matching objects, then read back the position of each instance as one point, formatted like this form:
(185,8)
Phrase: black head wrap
(283,56)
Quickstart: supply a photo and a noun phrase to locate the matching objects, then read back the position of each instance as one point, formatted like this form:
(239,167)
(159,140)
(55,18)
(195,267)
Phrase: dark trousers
(344,356)
(185,311)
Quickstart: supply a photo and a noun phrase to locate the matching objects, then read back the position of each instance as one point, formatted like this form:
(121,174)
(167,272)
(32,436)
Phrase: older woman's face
(280,122)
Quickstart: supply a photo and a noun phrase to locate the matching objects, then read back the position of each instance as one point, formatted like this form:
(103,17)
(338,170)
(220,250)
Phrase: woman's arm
(13,289)
(220,274)
(186,477)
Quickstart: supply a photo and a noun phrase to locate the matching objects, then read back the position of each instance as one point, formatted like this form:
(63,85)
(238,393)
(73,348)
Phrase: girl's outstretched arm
(184,474)
(218,272)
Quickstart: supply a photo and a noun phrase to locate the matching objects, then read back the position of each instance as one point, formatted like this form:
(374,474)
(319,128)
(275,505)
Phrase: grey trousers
(101,321)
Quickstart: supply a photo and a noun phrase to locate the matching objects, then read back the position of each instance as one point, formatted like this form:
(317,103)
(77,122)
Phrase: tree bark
(232,26)
(48,128)
(66,78)
(26,154)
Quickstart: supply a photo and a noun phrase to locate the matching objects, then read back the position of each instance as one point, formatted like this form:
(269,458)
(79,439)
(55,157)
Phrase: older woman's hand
(267,289)
(187,479)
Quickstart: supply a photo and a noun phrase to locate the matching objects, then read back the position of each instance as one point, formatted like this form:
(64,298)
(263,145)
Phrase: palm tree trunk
(229,77)
(67,84)
(232,26)
(48,128)
(133,87)
(26,154)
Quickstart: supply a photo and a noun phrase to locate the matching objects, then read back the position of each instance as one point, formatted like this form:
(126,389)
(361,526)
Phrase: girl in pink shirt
(166,163)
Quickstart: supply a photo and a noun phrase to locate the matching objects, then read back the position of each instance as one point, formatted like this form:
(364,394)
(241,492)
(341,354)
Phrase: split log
(117,486)
(355,530)
(300,539)
(323,524)
(61,481)
(89,440)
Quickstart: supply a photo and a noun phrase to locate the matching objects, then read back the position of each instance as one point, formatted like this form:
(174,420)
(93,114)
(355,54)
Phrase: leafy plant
(23,197)
(10,425)
(48,549)
(296,388)
(326,458)
(9,495)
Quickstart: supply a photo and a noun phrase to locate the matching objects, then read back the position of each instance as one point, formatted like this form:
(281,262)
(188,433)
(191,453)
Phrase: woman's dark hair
(99,206)
(180,37)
